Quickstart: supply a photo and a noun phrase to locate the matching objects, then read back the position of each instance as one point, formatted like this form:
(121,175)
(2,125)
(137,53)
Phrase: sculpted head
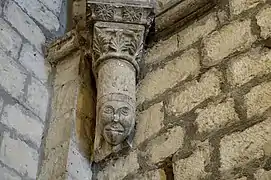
(117,118)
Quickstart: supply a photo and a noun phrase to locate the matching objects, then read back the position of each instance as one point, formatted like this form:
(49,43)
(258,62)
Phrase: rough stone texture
(37,97)
(195,93)
(149,123)
(12,76)
(14,117)
(264,21)
(25,162)
(193,167)
(10,40)
(23,24)
(177,70)
(162,50)
(54,5)
(40,13)
(158,174)
(234,37)
(239,148)
(242,178)
(238,6)
(119,169)
(261,174)
(215,117)
(34,62)
(243,68)
(196,31)
(6,174)
(165,145)
(258,99)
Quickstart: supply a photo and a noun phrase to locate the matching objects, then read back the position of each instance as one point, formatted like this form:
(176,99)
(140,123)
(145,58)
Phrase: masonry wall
(204,103)
(25,78)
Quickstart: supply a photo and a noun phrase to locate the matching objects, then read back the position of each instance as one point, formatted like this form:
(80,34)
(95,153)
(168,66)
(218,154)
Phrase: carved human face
(117,119)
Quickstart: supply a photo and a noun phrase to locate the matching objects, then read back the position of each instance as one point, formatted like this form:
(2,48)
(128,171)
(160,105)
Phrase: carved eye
(108,110)
(124,111)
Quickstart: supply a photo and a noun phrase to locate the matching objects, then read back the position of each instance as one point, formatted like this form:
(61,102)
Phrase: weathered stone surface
(1,103)
(258,99)
(245,67)
(157,82)
(5,174)
(119,169)
(53,5)
(261,174)
(162,50)
(12,76)
(242,178)
(238,6)
(10,40)
(158,174)
(79,167)
(165,145)
(197,31)
(54,164)
(38,97)
(25,161)
(34,61)
(23,24)
(239,148)
(40,13)
(15,117)
(215,117)
(234,37)
(150,122)
(195,93)
(264,21)
(193,167)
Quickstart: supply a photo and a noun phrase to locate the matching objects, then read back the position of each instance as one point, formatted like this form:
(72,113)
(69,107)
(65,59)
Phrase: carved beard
(117,120)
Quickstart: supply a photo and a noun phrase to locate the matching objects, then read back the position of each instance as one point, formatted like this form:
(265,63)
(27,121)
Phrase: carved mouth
(115,128)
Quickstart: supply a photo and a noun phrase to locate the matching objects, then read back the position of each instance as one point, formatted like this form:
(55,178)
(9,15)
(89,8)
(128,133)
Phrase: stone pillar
(118,35)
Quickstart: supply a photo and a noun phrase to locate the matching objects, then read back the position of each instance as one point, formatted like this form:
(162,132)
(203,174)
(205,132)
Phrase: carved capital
(118,31)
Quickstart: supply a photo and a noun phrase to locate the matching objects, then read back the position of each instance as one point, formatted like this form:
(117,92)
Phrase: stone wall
(25,78)
(204,103)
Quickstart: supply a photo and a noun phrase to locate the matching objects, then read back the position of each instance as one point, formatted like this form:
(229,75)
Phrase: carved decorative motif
(132,14)
(104,11)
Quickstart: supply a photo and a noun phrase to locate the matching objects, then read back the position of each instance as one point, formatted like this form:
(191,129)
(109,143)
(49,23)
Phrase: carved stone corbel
(119,30)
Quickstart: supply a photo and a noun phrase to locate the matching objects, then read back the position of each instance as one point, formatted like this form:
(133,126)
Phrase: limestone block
(162,50)
(23,24)
(54,164)
(215,117)
(243,68)
(165,145)
(158,174)
(233,37)
(195,93)
(238,6)
(78,166)
(258,99)
(15,117)
(40,13)
(6,174)
(37,97)
(121,168)
(25,161)
(261,174)
(239,148)
(12,76)
(193,167)
(34,62)
(53,5)
(10,40)
(264,21)
(197,30)
(149,123)
(175,71)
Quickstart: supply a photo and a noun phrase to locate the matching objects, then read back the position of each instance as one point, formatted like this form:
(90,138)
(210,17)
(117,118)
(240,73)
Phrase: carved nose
(116,118)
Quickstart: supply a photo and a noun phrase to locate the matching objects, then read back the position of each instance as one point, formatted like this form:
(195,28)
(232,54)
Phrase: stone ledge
(175,14)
